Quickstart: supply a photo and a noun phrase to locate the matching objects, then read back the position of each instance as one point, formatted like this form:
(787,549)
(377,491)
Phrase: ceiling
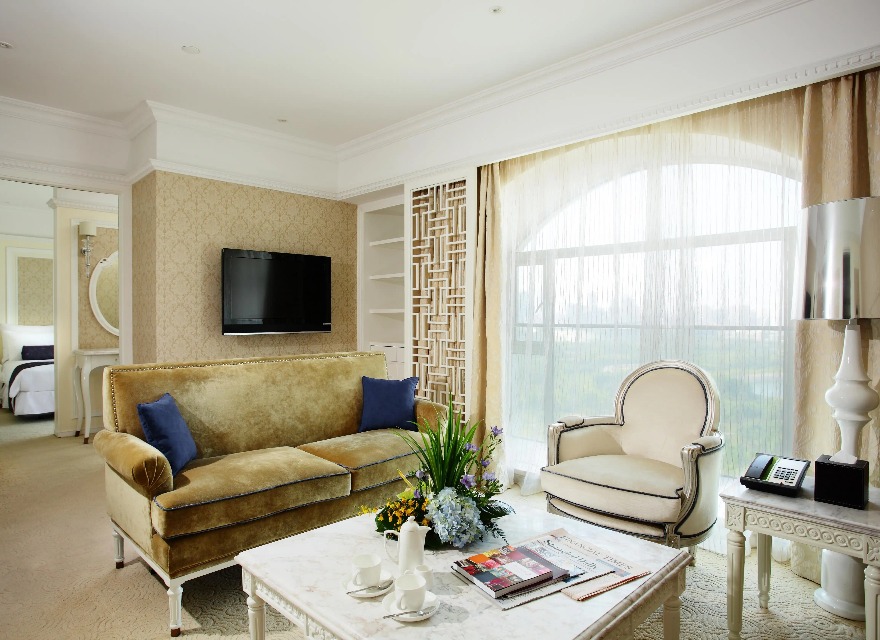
(335,70)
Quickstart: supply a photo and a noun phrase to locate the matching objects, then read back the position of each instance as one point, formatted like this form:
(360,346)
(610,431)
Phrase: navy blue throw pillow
(42,352)
(166,430)
(389,403)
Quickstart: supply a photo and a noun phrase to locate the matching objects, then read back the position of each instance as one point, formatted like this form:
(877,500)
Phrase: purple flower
(420,474)
(488,476)
(485,462)
(470,446)
(417,494)
(468,481)
(497,431)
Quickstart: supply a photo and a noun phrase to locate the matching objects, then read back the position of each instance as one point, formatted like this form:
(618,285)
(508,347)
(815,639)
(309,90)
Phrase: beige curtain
(485,390)
(841,159)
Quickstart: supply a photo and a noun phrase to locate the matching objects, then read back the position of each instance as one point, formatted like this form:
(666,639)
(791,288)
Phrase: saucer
(370,592)
(432,603)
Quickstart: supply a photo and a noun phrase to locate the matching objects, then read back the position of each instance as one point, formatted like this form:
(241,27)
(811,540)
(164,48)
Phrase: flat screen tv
(271,292)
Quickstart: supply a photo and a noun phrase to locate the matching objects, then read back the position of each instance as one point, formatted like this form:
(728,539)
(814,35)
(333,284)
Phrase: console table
(849,531)
(86,361)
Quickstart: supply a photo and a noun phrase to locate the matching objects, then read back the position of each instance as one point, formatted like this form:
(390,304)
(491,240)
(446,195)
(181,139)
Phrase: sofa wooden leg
(119,544)
(693,551)
(175,596)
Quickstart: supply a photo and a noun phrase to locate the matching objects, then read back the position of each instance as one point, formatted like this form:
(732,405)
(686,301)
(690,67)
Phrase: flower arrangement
(454,491)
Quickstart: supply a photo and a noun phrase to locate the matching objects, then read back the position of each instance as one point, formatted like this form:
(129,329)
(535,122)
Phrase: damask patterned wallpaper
(91,334)
(35,291)
(180,225)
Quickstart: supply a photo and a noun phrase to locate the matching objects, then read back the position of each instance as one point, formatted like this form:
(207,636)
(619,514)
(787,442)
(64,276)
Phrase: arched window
(655,245)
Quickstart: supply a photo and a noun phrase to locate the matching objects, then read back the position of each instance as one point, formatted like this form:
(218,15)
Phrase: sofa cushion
(239,487)
(166,430)
(624,485)
(389,403)
(372,457)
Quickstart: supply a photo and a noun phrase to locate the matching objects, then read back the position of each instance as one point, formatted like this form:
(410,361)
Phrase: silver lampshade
(838,271)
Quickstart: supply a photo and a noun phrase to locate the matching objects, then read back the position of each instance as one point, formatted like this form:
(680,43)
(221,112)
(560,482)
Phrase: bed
(28,369)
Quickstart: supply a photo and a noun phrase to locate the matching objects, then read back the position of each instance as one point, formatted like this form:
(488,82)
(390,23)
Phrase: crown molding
(790,79)
(57,203)
(695,26)
(84,200)
(227,176)
(59,175)
(51,116)
(138,119)
(166,114)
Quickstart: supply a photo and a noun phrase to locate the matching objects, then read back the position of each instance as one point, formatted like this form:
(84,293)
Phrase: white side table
(86,361)
(853,532)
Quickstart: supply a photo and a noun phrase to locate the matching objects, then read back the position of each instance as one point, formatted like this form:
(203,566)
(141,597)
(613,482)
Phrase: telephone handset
(775,474)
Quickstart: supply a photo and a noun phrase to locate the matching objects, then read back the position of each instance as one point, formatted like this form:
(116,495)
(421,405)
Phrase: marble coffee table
(303,578)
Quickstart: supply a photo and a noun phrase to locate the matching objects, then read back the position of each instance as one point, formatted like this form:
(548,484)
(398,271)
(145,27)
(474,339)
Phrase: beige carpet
(57,578)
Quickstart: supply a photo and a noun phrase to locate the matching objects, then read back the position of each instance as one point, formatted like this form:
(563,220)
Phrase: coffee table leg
(672,618)
(765,543)
(872,601)
(736,557)
(256,617)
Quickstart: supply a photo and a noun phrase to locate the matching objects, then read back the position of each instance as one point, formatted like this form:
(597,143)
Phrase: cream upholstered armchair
(652,469)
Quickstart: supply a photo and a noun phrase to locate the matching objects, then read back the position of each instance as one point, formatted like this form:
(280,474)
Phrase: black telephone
(775,474)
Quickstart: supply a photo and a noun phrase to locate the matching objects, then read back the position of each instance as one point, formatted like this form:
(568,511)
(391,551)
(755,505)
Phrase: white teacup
(426,572)
(409,592)
(367,569)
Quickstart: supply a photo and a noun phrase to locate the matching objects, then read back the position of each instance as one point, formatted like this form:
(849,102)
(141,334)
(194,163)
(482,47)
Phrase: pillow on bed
(42,352)
(166,430)
(17,336)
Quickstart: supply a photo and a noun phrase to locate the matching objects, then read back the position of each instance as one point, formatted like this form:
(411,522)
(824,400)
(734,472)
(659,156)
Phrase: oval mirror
(104,293)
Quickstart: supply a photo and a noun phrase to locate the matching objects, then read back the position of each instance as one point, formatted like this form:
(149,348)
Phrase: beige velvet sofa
(278,454)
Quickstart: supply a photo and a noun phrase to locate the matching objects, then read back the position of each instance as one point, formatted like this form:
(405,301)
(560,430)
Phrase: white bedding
(33,389)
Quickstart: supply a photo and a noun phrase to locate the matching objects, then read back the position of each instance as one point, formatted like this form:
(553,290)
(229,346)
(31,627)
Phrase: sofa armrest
(577,437)
(430,412)
(141,465)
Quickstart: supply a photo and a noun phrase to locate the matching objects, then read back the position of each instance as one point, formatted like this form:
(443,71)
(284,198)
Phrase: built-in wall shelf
(387,276)
(389,241)
(382,274)
(387,312)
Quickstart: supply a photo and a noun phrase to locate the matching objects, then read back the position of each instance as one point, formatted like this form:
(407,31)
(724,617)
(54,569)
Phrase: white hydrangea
(455,517)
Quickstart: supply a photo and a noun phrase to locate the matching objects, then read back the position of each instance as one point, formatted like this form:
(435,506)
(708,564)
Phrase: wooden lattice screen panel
(438,292)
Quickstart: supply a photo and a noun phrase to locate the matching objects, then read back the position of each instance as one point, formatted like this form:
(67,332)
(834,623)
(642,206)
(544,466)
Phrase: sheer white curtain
(672,241)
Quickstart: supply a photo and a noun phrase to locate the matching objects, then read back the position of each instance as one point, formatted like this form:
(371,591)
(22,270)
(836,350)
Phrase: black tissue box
(842,484)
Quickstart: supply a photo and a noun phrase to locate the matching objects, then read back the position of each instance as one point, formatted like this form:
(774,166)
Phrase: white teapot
(411,545)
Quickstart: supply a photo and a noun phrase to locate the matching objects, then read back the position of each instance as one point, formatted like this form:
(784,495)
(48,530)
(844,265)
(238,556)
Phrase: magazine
(587,570)
(500,572)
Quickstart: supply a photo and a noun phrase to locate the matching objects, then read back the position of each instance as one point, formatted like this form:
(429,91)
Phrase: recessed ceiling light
(496,9)
(5,45)
(188,48)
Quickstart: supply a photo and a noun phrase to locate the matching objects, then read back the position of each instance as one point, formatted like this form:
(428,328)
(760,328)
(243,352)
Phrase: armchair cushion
(628,486)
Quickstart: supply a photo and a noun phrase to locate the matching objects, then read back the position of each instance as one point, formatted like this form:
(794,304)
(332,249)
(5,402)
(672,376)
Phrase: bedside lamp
(838,278)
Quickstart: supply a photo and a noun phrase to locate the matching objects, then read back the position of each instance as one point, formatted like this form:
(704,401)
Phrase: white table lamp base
(851,398)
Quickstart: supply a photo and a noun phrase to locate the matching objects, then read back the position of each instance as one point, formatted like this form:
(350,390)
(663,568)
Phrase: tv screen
(270,292)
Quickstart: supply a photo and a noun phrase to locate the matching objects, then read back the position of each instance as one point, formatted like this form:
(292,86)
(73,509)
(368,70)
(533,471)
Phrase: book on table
(501,572)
